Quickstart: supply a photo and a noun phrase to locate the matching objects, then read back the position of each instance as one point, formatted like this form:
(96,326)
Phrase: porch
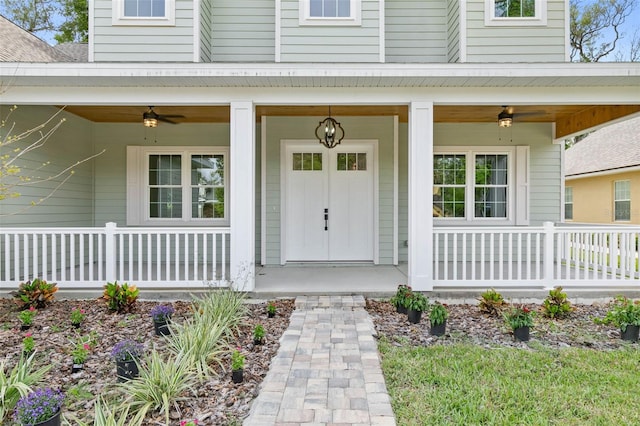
(533,258)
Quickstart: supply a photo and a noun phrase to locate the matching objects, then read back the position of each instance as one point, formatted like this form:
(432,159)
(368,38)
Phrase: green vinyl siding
(116,43)
(416,31)
(516,43)
(330,43)
(453,31)
(72,203)
(206,15)
(243,31)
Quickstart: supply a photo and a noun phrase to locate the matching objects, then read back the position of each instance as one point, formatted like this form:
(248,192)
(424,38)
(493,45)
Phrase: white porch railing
(89,257)
(536,257)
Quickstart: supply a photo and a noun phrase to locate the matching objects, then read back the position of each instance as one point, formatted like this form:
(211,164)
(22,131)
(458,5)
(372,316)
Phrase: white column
(242,195)
(421,196)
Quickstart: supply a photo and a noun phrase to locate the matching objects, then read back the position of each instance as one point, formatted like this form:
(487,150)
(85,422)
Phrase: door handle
(326,219)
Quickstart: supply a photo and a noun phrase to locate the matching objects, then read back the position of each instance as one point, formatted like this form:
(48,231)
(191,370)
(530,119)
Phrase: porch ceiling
(569,119)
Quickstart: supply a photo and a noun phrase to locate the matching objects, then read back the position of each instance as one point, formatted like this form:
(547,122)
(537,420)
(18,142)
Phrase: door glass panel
(307,161)
(351,161)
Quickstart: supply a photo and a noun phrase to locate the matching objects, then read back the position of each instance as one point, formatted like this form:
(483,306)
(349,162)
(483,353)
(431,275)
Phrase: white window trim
(118,18)
(470,153)
(615,199)
(490,19)
(305,18)
(138,185)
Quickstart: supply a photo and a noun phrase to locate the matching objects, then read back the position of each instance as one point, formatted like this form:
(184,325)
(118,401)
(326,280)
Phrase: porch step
(338,302)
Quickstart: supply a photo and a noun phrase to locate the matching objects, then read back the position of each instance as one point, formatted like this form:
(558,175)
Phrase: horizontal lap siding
(72,203)
(453,31)
(517,43)
(206,14)
(416,31)
(330,43)
(243,31)
(143,43)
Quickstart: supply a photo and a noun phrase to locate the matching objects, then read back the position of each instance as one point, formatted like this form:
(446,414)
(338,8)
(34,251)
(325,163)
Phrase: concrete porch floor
(336,279)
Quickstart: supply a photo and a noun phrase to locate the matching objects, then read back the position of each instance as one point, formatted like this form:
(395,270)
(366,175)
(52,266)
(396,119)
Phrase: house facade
(602,176)
(232,175)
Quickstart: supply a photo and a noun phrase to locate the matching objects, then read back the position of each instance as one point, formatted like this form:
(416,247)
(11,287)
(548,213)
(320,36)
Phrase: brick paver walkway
(327,370)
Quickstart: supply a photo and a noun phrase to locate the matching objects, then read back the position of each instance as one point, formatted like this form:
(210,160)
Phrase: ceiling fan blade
(164,119)
(171,115)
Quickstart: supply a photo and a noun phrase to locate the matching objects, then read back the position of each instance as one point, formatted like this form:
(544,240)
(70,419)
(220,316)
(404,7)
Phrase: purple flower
(126,350)
(38,406)
(161,313)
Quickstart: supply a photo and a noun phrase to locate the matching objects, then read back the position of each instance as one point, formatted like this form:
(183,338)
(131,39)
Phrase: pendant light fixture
(329,132)
(505,118)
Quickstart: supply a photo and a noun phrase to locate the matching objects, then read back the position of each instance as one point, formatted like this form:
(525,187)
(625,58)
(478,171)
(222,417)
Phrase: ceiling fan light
(505,119)
(150,119)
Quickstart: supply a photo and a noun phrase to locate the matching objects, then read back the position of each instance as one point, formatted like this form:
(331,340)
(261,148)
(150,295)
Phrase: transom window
(472,185)
(146,8)
(143,12)
(330,8)
(622,200)
(568,203)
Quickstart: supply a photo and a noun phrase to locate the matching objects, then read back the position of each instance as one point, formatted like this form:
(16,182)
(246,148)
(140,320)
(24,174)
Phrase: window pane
(362,161)
(623,210)
(450,180)
(448,202)
(207,203)
(130,7)
(568,211)
(317,161)
(165,202)
(515,8)
(297,161)
(344,8)
(316,8)
(490,202)
(165,170)
(307,161)
(568,195)
(144,7)
(330,8)
(157,8)
(207,170)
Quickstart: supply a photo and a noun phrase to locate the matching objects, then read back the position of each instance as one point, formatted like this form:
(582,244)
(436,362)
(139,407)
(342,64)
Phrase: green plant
(193,422)
(271,308)
(38,406)
(37,293)
(77,316)
(223,305)
(237,360)
(556,305)
(417,302)
(160,385)
(622,312)
(400,298)
(438,314)
(26,316)
(105,415)
(80,352)
(28,343)
(120,298)
(127,350)
(519,316)
(80,392)
(258,333)
(492,303)
(18,382)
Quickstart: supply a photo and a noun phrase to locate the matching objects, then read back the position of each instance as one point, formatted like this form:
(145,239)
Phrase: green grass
(473,385)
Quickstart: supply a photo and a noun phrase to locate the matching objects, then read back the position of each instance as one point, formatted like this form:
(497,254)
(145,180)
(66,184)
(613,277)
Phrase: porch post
(242,195)
(420,196)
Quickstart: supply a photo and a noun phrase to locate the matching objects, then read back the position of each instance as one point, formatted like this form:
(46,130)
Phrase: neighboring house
(425,175)
(602,176)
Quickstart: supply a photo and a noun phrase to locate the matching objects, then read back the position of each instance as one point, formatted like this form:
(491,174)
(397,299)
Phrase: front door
(329,202)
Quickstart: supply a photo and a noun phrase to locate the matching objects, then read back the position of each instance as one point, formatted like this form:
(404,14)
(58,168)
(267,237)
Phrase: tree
(596,28)
(76,27)
(35,16)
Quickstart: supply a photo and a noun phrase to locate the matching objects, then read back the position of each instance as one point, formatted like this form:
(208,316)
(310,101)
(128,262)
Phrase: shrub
(556,304)
(400,298)
(417,302)
(37,293)
(492,303)
(120,298)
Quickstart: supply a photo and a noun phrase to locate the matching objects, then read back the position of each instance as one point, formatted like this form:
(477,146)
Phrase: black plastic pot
(438,330)
(521,333)
(414,316)
(630,333)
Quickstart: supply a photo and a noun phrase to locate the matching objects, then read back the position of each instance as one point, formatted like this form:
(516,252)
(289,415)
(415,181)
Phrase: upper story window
(472,186)
(143,12)
(330,12)
(568,203)
(515,12)
(622,200)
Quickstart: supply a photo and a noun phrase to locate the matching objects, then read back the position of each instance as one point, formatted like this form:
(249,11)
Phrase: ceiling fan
(150,118)
(505,118)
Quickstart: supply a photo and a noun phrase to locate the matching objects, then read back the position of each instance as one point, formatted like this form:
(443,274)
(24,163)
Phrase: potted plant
(41,407)
(399,300)
(28,344)
(79,355)
(438,319)
(624,314)
(520,319)
(271,310)
(193,422)
(26,318)
(237,366)
(77,316)
(258,335)
(161,315)
(416,304)
(126,354)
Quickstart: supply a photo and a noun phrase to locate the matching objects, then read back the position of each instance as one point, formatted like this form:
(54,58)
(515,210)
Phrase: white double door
(329,202)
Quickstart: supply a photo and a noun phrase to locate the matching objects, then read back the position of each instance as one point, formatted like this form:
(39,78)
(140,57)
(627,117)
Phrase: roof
(19,45)
(78,52)
(610,148)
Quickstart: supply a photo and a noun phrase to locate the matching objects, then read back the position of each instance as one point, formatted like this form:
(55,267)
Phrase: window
(515,12)
(622,200)
(143,12)
(474,186)
(176,186)
(351,161)
(568,203)
(330,12)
